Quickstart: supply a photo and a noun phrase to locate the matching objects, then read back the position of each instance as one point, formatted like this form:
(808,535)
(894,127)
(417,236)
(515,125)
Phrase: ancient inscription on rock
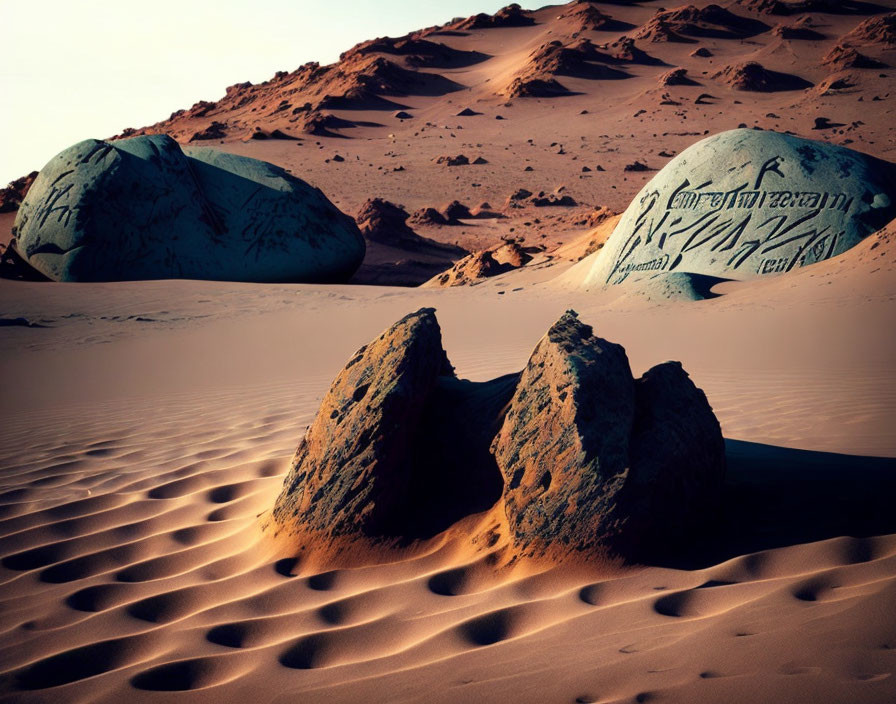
(748,203)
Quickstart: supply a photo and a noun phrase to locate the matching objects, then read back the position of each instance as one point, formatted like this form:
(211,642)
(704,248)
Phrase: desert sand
(146,427)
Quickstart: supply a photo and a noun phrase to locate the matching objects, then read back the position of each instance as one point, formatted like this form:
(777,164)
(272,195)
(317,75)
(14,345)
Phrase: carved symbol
(770,166)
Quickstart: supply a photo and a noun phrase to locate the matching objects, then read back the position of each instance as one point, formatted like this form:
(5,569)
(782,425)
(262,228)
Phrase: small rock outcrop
(478,266)
(11,197)
(469,271)
(579,59)
(386,223)
(875,31)
(455,211)
(843,57)
(595,461)
(510,16)
(428,216)
(691,21)
(398,450)
(587,18)
(582,459)
(396,255)
(453,160)
(145,208)
(753,76)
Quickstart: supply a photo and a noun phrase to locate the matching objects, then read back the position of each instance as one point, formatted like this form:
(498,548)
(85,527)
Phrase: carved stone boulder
(143,208)
(748,203)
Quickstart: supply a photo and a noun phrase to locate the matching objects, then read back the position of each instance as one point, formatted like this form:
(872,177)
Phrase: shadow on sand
(776,496)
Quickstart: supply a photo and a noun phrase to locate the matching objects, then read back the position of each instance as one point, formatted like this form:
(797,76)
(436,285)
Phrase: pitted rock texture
(563,448)
(586,461)
(143,208)
(352,469)
(779,202)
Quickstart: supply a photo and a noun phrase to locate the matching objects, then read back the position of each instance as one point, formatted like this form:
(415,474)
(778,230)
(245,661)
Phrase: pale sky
(73,69)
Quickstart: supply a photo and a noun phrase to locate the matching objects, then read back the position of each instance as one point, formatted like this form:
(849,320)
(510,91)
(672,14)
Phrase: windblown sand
(146,426)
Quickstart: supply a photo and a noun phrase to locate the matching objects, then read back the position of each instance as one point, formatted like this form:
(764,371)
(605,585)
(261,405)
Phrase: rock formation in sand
(144,208)
(386,223)
(594,460)
(510,16)
(842,57)
(579,59)
(396,255)
(428,216)
(804,29)
(677,24)
(586,460)
(879,31)
(781,202)
(753,76)
(11,197)
(586,17)
(454,212)
(478,266)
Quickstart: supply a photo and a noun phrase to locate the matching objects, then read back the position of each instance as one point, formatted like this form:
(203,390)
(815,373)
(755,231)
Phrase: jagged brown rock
(428,216)
(879,31)
(587,17)
(455,211)
(11,196)
(449,160)
(579,59)
(563,447)
(843,57)
(677,77)
(216,130)
(469,271)
(594,462)
(398,450)
(510,16)
(680,23)
(478,266)
(386,223)
(396,255)
(753,76)
(586,461)
(352,470)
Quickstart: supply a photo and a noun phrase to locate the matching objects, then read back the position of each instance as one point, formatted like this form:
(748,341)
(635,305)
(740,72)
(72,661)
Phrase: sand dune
(146,427)
(132,561)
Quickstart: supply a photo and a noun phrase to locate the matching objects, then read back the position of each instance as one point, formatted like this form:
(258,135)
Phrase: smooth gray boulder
(746,203)
(144,208)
